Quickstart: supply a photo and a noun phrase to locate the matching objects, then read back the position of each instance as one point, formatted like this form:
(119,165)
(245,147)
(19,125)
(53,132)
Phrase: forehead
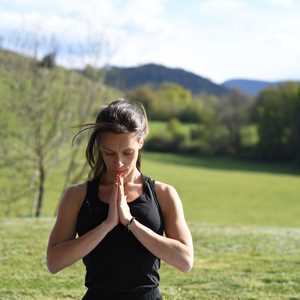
(118,141)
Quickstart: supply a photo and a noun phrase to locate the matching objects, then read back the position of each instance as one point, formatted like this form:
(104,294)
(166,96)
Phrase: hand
(112,219)
(123,208)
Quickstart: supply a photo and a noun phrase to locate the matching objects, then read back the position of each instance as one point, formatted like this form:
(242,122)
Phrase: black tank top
(120,264)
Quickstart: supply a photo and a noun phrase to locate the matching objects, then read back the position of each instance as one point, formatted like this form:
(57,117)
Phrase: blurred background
(220,81)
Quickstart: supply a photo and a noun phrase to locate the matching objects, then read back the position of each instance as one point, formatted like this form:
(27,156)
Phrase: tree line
(266,127)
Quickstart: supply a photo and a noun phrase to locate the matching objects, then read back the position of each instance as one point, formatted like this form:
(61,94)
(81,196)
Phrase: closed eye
(128,153)
(109,154)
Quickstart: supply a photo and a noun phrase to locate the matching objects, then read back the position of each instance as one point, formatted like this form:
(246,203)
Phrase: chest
(143,206)
(132,192)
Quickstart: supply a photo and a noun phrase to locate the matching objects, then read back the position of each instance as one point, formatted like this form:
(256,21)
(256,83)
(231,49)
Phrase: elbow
(51,268)
(187,266)
(188,260)
(51,265)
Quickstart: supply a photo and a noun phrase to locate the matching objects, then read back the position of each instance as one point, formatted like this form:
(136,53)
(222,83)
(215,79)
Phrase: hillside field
(245,226)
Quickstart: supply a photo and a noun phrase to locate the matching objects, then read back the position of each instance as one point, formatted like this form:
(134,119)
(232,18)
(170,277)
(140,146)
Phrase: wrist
(107,226)
(125,220)
(129,223)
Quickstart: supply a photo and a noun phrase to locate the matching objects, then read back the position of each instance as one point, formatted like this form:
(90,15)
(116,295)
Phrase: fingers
(121,190)
(116,192)
(117,178)
(121,186)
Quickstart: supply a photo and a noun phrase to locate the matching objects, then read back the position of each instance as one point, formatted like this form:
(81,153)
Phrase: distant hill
(249,87)
(153,74)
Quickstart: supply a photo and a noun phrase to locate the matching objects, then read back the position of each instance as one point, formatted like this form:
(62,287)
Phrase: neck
(132,177)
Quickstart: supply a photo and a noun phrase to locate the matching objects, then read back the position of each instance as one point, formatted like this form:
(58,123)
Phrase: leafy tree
(145,95)
(48,61)
(40,106)
(93,73)
(233,110)
(193,112)
(277,114)
(210,139)
(177,134)
(171,101)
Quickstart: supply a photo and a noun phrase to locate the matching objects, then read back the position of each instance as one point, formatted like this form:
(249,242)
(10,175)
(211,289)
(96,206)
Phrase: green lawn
(225,191)
(244,219)
(231,262)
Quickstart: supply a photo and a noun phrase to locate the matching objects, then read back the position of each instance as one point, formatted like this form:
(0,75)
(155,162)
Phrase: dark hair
(120,116)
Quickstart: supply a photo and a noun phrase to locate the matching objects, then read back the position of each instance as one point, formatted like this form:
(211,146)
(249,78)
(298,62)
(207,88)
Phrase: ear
(141,143)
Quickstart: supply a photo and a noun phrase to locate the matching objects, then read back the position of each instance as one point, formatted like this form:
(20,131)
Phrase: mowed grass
(231,262)
(227,191)
(244,219)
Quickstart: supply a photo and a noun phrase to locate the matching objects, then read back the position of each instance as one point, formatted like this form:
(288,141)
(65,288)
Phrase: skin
(120,153)
(121,183)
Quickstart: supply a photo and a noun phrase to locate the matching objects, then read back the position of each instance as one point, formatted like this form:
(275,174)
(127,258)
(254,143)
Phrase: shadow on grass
(223,163)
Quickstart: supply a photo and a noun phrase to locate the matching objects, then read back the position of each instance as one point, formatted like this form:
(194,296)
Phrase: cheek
(106,160)
(133,158)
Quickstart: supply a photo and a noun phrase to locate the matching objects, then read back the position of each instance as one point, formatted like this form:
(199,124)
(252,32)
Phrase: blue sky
(217,39)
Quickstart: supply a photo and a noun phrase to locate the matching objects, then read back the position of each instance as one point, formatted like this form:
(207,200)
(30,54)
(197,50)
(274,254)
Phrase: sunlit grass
(231,262)
(244,222)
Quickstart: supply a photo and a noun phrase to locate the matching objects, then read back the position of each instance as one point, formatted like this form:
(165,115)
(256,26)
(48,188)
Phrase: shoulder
(164,189)
(167,196)
(78,189)
(74,195)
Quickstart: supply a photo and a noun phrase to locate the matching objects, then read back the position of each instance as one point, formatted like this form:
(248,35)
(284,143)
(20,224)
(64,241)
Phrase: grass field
(244,219)
(225,191)
(231,262)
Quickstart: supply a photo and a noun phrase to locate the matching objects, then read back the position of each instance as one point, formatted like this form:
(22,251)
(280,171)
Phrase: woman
(120,215)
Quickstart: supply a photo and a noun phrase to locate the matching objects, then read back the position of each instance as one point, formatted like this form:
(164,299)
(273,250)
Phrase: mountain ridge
(252,87)
(127,78)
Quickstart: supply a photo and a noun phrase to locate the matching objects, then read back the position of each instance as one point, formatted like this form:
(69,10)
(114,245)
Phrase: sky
(216,39)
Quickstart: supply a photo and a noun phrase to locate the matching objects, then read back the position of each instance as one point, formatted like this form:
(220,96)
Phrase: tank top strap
(150,184)
(91,192)
(90,189)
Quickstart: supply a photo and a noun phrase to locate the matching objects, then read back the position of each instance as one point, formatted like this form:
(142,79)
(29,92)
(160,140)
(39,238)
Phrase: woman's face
(120,152)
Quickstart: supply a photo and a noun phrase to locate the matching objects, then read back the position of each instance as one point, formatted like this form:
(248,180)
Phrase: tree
(233,112)
(48,61)
(193,112)
(93,73)
(41,105)
(171,101)
(277,114)
(145,95)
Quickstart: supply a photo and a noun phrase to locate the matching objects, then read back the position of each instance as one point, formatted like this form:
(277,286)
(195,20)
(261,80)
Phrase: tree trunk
(41,188)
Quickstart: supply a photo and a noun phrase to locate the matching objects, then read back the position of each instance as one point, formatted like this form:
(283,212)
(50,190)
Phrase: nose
(119,163)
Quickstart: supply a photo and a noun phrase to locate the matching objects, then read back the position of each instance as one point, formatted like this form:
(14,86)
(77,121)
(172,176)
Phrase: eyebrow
(105,148)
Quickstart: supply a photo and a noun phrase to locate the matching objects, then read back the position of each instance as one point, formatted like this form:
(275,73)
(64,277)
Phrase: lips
(120,171)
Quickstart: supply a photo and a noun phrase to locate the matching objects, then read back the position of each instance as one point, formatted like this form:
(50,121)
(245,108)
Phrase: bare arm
(63,248)
(176,248)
